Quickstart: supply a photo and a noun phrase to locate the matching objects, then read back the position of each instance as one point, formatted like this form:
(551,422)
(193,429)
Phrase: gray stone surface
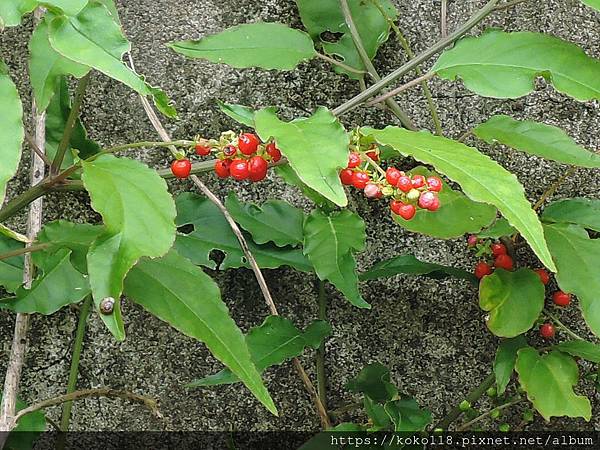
(431,333)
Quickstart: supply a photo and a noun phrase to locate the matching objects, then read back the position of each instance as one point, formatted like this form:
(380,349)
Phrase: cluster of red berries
(407,192)
(504,261)
(246,158)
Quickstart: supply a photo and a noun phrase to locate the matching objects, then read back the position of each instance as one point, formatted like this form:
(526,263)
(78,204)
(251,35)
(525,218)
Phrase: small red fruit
(374,155)
(482,269)
(353,160)
(257,168)
(434,184)
(404,183)
(561,298)
(395,206)
(248,143)
(372,190)
(418,181)
(392,175)
(407,211)
(239,169)
(273,152)
(346,176)
(360,179)
(426,199)
(181,168)
(503,262)
(435,205)
(202,150)
(498,249)
(547,331)
(229,150)
(472,240)
(222,167)
(543,274)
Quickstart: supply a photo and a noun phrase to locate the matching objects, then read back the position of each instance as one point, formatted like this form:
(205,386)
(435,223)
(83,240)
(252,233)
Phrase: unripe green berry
(491,392)
(464,405)
(528,415)
(504,427)
(413,195)
(495,413)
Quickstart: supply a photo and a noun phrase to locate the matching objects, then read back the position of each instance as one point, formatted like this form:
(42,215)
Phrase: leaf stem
(37,150)
(402,88)
(22,251)
(321,373)
(70,124)
(563,326)
(417,60)
(553,187)
(340,64)
(141,144)
(479,418)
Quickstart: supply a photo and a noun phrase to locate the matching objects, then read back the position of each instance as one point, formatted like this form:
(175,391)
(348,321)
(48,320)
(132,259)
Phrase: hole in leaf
(328,36)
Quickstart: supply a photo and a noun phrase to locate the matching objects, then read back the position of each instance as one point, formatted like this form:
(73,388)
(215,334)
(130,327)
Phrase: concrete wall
(431,333)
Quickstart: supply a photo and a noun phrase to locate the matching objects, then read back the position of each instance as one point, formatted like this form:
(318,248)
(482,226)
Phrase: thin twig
(444,18)
(479,418)
(148,402)
(22,251)
(553,187)
(36,149)
(563,326)
(402,88)
(321,373)
(340,64)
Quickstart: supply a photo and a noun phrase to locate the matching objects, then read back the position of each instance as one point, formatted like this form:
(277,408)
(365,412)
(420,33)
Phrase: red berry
(426,199)
(404,183)
(202,150)
(418,181)
(222,167)
(407,211)
(434,184)
(435,205)
(547,331)
(482,269)
(360,179)
(374,155)
(239,169)
(392,175)
(561,298)
(353,160)
(273,152)
(372,190)
(181,168)
(395,206)
(346,176)
(257,168)
(229,150)
(498,249)
(248,143)
(503,262)
(543,275)
(472,240)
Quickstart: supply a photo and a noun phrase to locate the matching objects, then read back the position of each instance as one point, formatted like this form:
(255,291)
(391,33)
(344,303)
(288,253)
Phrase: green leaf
(272,343)
(316,148)
(578,211)
(537,139)
(407,415)
(94,39)
(56,119)
(11,269)
(457,215)
(239,113)
(138,214)
(11,12)
(581,349)
(179,293)
(30,426)
(68,7)
(374,381)
(265,45)
(513,299)
(11,129)
(275,221)
(409,264)
(499,228)
(320,16)
(577,258)
(505,65)
(592,4)
(481,178)
(548,381)
(59,285)
(504,363)
(212,232)
(291,178)
(329,243)
(379,419)
(12,234)
(47,67)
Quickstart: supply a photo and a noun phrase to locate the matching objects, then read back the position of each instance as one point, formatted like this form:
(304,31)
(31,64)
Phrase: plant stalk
(24,250)
(321,373)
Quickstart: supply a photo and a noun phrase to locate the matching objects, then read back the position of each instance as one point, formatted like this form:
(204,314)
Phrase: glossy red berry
(222,167)
(426,199)
(392,175)
(561,298)
(353,160)
(434,184)
(435,205)
(257,168)
(239,169)
(482,269)
(181,168)
(360,179)
(503,262)
(404,183)
(273,152)
(547,331)
(372,190)
(374,155)
(229,150)
(407,211)
(395,206)
(472,240)
(346,176)
(418,181)
(248,143)
(498,249)
(202,150)
(543,274)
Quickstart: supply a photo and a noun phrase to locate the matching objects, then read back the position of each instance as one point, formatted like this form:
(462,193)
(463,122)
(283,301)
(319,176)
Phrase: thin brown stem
(340,64)
(479,418)
(402,88)
(31,141)
(444,18)
(553,187)
(24,250)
